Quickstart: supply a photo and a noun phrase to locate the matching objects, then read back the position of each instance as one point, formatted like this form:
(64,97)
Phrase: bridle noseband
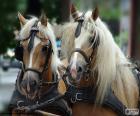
(83,54)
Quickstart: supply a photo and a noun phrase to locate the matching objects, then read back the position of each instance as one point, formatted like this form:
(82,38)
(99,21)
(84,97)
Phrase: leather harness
(74,94)
(88,94)
(53,104)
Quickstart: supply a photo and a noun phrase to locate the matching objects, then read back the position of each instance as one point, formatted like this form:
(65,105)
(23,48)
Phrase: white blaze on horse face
(36,42)
(73,69)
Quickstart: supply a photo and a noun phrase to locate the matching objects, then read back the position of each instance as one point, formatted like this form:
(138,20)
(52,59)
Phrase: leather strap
(88,95)
(80,21)
(50,97)
(82,53)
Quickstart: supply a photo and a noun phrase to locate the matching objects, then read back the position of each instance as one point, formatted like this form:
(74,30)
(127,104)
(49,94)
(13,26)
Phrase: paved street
(7,81)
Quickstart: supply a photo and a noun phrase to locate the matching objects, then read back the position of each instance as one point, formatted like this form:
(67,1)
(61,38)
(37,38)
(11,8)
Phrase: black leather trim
(88,95)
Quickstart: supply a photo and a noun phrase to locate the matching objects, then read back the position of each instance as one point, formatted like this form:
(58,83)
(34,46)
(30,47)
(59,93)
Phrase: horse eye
(45,48)
(91,39)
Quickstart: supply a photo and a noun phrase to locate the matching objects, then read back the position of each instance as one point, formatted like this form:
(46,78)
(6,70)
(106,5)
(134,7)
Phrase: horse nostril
(79,69)
(33,83)
(23,84)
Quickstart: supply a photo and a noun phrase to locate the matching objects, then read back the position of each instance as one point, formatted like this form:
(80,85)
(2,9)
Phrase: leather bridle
(32,35)
(87,70)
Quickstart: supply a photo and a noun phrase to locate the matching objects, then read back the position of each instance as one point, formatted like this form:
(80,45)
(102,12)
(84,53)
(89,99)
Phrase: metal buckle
(20,104)
(75,98)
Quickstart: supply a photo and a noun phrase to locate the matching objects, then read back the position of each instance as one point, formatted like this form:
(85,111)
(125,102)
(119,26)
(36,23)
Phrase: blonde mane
(47,32)
(112,65)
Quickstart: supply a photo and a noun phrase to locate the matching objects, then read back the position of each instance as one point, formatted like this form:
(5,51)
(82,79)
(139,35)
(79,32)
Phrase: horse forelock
(25,30)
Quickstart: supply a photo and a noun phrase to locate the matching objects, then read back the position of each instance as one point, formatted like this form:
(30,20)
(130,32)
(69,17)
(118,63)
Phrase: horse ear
(95,13)
(21,19)
(74,12)
(43,19)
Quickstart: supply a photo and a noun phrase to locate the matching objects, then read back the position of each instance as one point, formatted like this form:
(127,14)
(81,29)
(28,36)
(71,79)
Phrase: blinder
(48,49)
(94,42)
(19,48)
(19,52)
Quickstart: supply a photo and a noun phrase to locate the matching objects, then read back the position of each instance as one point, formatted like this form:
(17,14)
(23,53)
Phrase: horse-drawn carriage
(96,79)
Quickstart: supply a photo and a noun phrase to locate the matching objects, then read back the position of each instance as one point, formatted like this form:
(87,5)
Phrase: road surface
(7,81)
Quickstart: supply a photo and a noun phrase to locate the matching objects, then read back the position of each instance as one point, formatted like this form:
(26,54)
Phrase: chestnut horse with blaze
(38,80)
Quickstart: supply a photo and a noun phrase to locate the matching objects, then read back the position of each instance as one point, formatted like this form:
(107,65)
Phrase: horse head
(86,41)
(38,53)
(95,60)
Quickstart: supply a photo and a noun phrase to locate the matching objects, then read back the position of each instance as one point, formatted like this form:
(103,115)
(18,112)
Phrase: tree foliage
(7,22)
(52,9)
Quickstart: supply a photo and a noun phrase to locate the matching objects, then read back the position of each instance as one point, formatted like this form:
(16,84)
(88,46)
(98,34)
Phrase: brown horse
(38,80)
(99,76)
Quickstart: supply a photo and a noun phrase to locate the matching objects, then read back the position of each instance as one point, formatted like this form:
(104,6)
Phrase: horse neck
(87,83)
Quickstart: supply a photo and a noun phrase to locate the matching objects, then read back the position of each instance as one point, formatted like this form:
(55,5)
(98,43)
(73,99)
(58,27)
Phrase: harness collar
(88,95)
(51,99)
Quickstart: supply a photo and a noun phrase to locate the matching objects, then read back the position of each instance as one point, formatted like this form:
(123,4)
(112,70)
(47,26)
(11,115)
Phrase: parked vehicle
(7,62)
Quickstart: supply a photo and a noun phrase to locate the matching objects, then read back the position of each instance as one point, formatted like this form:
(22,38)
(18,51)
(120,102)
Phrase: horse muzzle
(30,84)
